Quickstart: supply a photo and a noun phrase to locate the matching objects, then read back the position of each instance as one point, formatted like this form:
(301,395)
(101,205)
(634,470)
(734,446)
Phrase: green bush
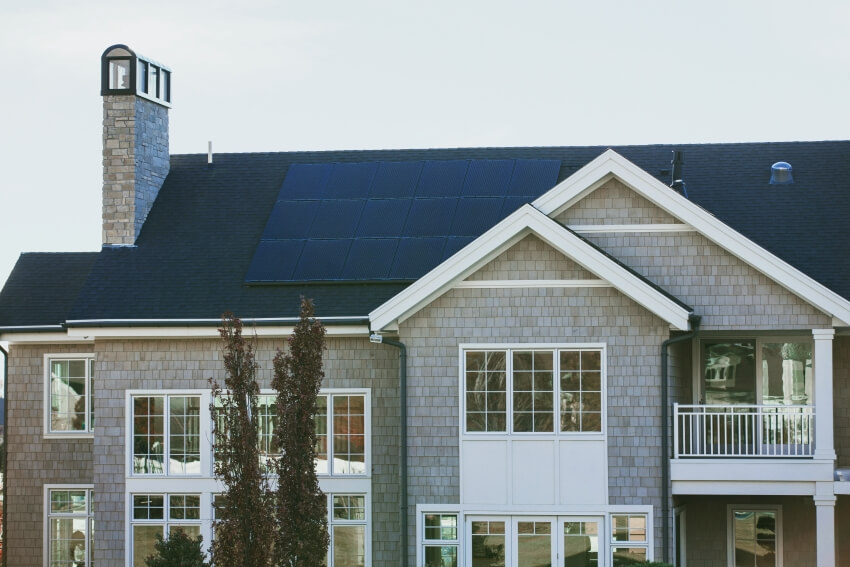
(179,550)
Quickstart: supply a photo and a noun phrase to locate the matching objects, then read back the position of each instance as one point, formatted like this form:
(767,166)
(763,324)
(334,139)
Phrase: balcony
(743,431)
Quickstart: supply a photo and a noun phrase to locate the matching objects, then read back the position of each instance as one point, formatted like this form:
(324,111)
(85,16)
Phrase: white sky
(277,75)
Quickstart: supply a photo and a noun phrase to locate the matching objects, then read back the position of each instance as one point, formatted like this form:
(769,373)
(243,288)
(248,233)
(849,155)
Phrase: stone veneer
(135,163)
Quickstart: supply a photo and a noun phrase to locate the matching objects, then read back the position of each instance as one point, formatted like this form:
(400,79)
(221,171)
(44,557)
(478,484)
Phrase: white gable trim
(611,164)
(526,220)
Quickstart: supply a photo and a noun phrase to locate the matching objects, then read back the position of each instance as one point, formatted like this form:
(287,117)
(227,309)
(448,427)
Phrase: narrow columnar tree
(244,523)
(302,526)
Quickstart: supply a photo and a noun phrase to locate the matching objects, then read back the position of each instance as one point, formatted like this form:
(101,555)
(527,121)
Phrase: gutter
(259,322)
(694,321)
(402,378)
(5,449)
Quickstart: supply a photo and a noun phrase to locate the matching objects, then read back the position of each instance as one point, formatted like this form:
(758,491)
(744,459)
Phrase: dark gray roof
(195,250)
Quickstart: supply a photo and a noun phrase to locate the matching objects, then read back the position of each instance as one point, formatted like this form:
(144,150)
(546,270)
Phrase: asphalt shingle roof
(195,250)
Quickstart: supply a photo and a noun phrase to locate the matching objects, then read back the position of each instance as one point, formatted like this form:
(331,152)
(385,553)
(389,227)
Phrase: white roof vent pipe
(780,173)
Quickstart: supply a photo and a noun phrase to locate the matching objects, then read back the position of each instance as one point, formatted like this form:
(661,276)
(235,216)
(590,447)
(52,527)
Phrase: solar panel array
(388,221)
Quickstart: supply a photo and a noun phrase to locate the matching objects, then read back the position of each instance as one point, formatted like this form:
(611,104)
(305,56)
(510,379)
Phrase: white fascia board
(192,332)
(524,221)
(18,337)
(611,164)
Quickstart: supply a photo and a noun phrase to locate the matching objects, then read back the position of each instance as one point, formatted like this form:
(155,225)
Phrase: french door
(534,541)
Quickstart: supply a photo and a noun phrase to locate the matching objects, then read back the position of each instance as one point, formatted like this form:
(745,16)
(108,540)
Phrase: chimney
(136,97)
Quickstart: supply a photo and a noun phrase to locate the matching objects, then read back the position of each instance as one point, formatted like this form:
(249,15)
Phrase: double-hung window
(69,409)
(629,543)
(534,390)
(70,526)
(348,530)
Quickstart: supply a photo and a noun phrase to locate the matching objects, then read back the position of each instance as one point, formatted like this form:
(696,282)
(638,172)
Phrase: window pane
(440,526)
(349,546)
(488,544)
(144,540)
(349,507)
(581,544)
(349,440)
(440,556)
(142,76)
(628,556)
(184,435)
(68,392)
(148,439)
(486,391)
(729,372)
(267,417)
(119,74)
(68,541)
(787,373)
(533,391)
(184,506)
(581,391)
(321,421)
(148,507)
(534,544)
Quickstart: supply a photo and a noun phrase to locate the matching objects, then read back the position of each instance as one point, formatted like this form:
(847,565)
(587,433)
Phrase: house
(535,356)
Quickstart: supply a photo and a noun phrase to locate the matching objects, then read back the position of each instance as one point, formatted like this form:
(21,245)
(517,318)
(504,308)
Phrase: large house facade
(535,356)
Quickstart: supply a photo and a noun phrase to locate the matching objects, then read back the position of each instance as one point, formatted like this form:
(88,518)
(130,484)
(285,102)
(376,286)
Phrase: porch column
(824,444)
(825,515)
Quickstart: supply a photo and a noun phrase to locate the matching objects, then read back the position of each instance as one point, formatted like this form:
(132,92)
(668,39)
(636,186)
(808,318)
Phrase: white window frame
(48,488)
(367,428)
(367,522)
(88,432)
(205,432)
(759,338)
(166,522)
(636,544)
(422,542)
(730,528)
(555,348)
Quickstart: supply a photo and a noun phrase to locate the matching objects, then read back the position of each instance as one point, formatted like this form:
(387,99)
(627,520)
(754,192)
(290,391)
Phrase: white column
(824,443)
(825,518)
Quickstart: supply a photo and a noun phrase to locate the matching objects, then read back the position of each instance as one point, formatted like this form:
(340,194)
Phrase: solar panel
(488,178)
(322,260)
(430,217)
(474,216)
(290,219)
(396,179)
(336,219)
(370,259)
(534,176)
(305,181)
(274,261)
(415,256)
(375,221)
(350,180)
(442,178)
(383,217)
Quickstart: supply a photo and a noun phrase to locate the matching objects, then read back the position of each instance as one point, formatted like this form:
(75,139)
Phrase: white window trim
(421,542)
(367,428)
(46,514)
(89,431)
(167,490)
(367,522)
(730,528)
(759,337)
(205,433)
(554,347)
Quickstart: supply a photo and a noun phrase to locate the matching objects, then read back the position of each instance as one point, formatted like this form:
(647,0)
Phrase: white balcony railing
(746,431)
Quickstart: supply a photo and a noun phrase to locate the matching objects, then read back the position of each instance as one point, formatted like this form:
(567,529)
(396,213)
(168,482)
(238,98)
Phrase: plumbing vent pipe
(677,182)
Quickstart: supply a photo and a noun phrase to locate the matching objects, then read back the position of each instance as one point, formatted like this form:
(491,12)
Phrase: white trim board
(611,165)
(526,220)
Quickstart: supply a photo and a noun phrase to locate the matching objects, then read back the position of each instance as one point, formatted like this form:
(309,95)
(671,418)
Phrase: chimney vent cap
(781,174)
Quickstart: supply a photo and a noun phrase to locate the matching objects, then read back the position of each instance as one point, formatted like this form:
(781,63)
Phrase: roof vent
(677,183)
(780,173)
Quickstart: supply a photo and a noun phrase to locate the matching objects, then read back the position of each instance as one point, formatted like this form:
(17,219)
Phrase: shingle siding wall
(188,364)
(614,203)
(531,259)
(34,461)
(841,400)
(633,336)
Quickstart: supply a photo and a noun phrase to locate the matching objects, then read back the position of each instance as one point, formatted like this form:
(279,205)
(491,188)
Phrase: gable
(531,259)
(614,203)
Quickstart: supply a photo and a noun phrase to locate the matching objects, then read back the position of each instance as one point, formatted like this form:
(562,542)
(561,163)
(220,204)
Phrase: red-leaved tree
(300,507)
(244,522)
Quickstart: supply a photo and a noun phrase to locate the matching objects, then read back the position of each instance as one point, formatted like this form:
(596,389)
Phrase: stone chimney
(136,97)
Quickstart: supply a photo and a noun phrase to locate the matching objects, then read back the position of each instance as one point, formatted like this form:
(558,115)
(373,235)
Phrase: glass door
(534,542)
(581,541)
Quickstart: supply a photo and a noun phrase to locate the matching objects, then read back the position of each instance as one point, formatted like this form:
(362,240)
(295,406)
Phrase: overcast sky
(276,75)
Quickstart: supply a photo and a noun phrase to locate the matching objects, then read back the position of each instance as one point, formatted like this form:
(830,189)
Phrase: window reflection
(787,373)
(729,372)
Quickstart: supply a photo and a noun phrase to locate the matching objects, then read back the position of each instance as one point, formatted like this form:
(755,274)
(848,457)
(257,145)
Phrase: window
(347,527)
(581,544)
(166,425)
(488,543)
(341,434)
(749,371)
(755,536)
(70,526)
(542,388)
(161,514)
(69,402)
(440,540)
(629,543)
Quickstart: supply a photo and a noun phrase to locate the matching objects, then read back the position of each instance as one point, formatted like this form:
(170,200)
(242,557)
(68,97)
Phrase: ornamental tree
(300,507)
(244,522)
